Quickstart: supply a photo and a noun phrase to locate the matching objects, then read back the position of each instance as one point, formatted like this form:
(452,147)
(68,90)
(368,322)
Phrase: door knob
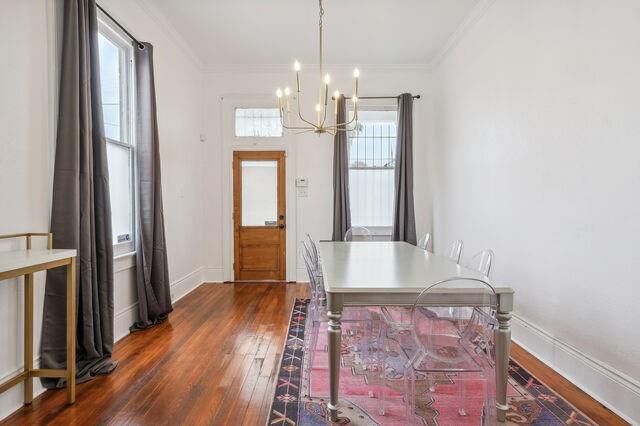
(281,226)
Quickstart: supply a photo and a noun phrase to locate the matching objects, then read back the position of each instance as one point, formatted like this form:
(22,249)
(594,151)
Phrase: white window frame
(375,105)
(127,130)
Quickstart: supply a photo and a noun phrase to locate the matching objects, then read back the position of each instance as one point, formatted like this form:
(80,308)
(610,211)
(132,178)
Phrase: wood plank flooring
(214,362)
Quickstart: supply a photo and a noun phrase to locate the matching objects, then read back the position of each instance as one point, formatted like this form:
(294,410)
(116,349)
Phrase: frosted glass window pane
(259,193)
(120,190)
(258,122)
(110,87)
(371,193)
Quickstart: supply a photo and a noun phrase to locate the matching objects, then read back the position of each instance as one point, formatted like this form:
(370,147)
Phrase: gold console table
(16,263)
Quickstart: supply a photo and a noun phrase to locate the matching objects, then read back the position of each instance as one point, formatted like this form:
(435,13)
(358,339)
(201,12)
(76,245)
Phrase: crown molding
(467,23)
(286,68)
(173,34)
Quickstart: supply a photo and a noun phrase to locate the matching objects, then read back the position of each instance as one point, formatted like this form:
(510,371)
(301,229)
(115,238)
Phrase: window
(258,122)
(115,53)
(372,156)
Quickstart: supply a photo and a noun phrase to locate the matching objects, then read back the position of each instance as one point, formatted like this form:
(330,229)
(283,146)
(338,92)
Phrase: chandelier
(321,125)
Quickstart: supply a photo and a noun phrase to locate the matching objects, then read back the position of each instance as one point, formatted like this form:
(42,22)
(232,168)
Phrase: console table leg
(28,337)
(71,332)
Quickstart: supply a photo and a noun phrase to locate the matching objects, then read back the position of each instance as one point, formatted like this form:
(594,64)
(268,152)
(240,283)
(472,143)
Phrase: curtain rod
(140,45)
(378,97)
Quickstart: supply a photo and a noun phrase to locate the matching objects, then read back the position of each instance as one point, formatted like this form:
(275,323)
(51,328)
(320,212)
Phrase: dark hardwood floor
(214,362)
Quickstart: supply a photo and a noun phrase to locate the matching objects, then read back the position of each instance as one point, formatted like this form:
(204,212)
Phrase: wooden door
(259,215)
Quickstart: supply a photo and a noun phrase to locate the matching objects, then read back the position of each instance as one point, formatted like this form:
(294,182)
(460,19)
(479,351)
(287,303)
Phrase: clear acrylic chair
(451,361)
(423,242)
(357,321)
(358,233)
(314,251)
(455,250)
(482,262)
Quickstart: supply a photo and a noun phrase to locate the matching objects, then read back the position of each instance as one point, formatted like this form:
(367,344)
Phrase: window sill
(124,261)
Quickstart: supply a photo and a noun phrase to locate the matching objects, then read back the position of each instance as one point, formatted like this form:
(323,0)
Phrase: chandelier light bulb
(318,108)
(296,66)
(336,94)
(279,93)
(327,79)
(287,91)
(356,73)
(354,99)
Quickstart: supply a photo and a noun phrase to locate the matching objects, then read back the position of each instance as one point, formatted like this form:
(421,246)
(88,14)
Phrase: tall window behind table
(116,78)
(372,156)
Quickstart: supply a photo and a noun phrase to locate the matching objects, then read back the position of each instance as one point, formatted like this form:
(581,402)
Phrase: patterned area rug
(301,392)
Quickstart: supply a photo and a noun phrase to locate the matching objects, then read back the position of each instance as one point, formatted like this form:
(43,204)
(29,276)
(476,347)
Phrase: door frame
(230,143)
(281,201)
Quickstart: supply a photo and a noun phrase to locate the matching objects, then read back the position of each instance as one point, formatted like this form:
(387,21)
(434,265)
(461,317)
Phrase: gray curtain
(404,222)
(341,208)
(81,209)
(154,295)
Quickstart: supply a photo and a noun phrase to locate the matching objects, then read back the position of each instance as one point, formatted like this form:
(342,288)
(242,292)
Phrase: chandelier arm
(284,126)
(346,123)
(300,114)
(304,131)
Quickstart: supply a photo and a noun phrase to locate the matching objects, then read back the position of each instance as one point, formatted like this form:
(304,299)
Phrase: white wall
(538,148)
(314,155)
(28,85)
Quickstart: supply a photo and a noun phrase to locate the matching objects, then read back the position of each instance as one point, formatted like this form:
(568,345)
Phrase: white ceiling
(279,31)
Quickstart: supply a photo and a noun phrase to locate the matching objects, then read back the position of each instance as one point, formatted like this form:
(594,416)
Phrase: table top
(386,267)
(17,259)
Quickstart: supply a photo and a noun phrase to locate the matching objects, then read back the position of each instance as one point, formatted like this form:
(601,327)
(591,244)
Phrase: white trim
(211,274)
(122,320)
(302,276)
(288,68)
(12,399)
(614,389)
(124,262)
(230,143)
(468,22)
(185,285)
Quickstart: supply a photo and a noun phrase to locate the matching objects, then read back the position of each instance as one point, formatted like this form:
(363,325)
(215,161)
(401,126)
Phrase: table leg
(71,332)
(28,337)
(334,334)
(503,345)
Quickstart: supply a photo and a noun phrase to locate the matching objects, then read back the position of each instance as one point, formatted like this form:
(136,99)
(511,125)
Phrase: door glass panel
(259,193)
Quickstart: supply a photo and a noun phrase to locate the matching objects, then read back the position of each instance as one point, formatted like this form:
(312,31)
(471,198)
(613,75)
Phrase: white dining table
(393,274)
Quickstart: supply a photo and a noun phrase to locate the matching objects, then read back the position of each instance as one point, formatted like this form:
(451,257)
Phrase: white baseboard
(301,276)
(614,389)
(123,320)
(11,400)
(212,274)
(185,285)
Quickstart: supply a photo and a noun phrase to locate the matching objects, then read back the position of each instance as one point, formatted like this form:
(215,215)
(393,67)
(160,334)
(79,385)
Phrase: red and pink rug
(301,392)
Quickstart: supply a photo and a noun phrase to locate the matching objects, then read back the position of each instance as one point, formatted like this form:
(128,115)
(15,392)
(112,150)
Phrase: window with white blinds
(116,82)
(372,156)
